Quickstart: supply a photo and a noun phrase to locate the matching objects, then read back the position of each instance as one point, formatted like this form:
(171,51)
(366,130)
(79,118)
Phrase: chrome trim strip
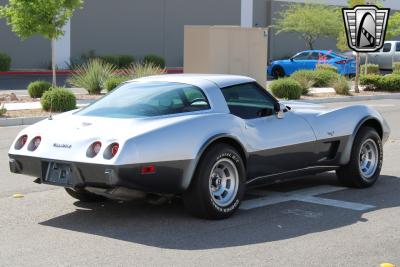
(291,171)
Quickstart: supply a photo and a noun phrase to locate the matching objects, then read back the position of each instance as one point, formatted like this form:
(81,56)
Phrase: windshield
(148,99)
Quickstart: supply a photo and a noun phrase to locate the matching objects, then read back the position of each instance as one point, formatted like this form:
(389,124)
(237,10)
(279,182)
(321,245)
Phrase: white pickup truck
(389,54)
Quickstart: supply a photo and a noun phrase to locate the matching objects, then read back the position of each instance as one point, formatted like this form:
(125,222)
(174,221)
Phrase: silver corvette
(202,137)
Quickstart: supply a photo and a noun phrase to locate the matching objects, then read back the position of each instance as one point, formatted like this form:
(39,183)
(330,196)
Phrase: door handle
(249,125)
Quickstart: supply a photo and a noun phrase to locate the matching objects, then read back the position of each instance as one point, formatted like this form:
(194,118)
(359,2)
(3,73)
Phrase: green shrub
(155,60)
(375,82)
(396,68)
(92,75)
(58,100)
(342,86)
(113,60)
(124,61)
(286,88)
(139,70)
(318,78)
(325,78)
(390,83)
(113,82)
(326,67)
(5,62)
(372,81)
(371,69)
(305,78)
(119,61)
(36,89)
(3,110)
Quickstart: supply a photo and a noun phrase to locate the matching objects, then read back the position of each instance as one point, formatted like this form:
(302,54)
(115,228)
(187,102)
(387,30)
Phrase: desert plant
(371,81)
(3,110)
(5,62)
(138,70)
(113,82)
(119,61)
(305,78)
(286,88)
(342,86)
(326,67)
(324,78)
(92,75)
(155,59)
(37,88)
(396,68)
(124,61)
(389,83)
(375,82)
(58,100)
(371,69)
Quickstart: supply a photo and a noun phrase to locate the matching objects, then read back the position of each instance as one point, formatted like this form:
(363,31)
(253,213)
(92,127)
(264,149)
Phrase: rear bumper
(168,178)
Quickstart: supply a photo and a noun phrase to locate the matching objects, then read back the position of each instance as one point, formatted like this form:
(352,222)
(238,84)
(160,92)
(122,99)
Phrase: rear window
(148,99)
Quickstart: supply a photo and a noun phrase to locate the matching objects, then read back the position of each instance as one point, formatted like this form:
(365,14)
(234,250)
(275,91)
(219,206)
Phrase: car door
(312,60)
(396,57)
(297,62)
(275,144)
(385,58)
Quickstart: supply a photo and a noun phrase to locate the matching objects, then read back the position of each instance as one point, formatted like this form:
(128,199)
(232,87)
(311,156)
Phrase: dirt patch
(26,113)
(25,98)
(330,95)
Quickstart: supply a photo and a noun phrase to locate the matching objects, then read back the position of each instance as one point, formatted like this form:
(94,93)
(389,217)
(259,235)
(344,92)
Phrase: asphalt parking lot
(312,221)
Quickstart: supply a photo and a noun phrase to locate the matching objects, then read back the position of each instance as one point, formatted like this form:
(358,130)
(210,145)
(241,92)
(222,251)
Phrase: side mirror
(291,59)
(280,110)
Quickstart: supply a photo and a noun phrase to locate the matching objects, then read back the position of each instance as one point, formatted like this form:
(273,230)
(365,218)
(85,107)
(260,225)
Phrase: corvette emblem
(62,145)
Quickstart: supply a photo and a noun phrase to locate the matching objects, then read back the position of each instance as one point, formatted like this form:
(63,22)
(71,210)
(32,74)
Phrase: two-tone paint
(305,138)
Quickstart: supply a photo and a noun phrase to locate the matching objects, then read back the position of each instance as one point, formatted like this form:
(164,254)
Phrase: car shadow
(169,226)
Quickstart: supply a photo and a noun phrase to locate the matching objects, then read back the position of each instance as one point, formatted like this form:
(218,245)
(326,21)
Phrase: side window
(301,56)
(315,56)
(387,47)
(248,101)
(398,47)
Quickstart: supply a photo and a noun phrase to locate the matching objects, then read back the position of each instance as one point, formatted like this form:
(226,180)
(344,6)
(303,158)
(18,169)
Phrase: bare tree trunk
(53,61)
(357,80)
(366,63)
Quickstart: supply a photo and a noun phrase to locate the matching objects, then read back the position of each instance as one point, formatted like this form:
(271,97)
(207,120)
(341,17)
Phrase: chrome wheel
(369,158)
(224,182)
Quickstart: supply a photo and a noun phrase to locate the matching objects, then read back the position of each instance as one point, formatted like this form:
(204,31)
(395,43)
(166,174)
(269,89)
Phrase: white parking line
(306,195)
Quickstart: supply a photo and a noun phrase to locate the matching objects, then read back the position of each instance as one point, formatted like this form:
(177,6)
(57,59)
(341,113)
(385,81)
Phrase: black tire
(278,72)
(84,196)
(199,200)
(351,175)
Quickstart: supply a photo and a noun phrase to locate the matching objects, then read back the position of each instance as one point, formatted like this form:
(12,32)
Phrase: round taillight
(111,151)
(114,149)
(93,149)
(96,148)
(34,144)
(21,142)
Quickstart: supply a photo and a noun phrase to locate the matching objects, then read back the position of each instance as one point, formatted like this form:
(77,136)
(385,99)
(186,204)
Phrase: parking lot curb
(352,98)
(20,121)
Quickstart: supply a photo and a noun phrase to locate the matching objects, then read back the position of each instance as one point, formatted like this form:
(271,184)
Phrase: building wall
(145,26)
(33,52)
(154,26)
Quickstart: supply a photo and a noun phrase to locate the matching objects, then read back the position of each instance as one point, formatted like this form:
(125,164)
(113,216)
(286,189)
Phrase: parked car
(309,59)
(202,137)
(385,57)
